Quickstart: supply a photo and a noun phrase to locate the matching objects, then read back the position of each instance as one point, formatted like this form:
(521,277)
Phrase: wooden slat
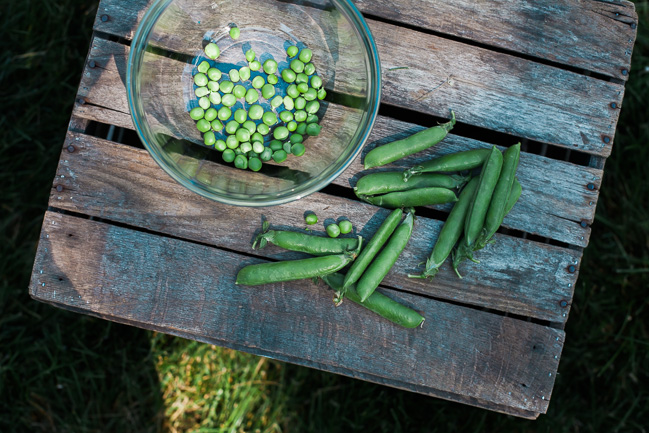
(565,31)
(188,289)
(123,184)
(562,31)
(543,103)
(555,198)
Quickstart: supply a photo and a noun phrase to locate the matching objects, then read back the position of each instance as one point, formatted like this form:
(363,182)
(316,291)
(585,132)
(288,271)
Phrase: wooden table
(121,241)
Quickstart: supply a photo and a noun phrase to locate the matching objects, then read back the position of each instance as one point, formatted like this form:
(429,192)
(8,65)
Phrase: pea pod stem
(303,242)
(378,303)
(392,181)
(417,142)
(289,270)
(458,161)
(383,262)
(450,232)
(412,198)
(372,248)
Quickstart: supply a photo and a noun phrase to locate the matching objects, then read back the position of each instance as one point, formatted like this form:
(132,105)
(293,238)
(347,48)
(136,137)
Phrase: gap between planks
(186,288)
(123,184)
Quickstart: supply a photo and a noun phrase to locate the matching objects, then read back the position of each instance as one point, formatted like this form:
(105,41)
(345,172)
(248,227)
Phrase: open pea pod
(304,242)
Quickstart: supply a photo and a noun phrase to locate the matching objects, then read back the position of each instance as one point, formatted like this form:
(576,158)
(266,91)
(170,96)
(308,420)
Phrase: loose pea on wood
(305,242)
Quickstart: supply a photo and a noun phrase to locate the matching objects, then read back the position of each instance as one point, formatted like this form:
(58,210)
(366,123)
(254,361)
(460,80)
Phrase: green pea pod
(372,248)
(381,265)
(289,270)
(475,217)
(450,233)
(415,143)
(500,198)
(413,197)
(514,195)
(304,242)
(392,181)
(378,303)
(458,161)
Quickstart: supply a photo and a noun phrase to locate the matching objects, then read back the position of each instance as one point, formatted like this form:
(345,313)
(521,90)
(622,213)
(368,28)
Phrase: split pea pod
(413,197)
(458,161)
(392,181)
(415,143)
(450,233)
(477,212)
(378,303)
(383,262)
(289,270)
(500,198)
(372,248)
(304,242)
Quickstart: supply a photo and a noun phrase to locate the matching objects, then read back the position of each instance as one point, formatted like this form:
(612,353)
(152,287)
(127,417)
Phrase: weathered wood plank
(555,201)
(491,90)
(566,32)
(595,36)
(114,182)
(189,289)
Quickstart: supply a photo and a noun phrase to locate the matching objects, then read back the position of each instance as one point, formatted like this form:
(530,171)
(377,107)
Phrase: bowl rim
(363,31)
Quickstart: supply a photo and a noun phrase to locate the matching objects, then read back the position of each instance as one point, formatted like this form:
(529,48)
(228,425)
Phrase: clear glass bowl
(165,53)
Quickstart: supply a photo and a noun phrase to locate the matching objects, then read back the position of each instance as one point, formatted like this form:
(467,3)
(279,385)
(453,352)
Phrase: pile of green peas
(242,114)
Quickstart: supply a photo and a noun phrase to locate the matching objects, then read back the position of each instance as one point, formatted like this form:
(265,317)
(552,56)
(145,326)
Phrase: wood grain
(555,198)
(189,290)
(541,102)
(114,182)
(567,32)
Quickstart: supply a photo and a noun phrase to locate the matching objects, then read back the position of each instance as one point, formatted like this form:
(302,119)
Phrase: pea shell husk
(383,262)
(450,232)
(392,181)
(475,217)
(500,198)
(458,161)
(378,303)
(304,242)
(479,206)
(514,195)
(290,270)
(372,248)
(412,198)
(417,142)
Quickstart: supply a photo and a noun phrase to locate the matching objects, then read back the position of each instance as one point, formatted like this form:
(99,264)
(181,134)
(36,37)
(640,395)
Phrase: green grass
(65,372)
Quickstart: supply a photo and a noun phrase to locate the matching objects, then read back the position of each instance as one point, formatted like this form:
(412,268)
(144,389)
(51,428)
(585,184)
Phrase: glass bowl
(167,49)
